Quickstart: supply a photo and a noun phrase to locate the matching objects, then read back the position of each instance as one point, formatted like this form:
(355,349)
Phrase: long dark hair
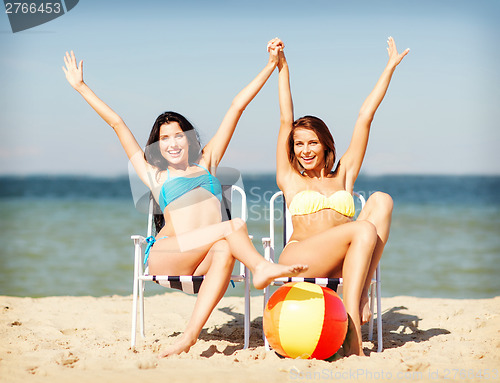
(153,156)
(325,138)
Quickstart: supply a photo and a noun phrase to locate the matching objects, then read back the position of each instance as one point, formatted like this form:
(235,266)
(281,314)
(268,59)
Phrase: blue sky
(440,115)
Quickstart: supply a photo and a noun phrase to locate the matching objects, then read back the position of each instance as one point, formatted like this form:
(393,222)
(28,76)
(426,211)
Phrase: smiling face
(308,149)
(310,146)
(174,145)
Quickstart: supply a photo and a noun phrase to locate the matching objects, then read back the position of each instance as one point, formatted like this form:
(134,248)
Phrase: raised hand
(73,72)
(394,57)
(274,46)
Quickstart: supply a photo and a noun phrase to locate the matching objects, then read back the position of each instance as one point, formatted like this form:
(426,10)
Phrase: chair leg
(266,344)
(268,255)
(247,309)
(267,294)
(134,306)
(379,311)
(372,301)
(141,307)
(141,285)
(134,317)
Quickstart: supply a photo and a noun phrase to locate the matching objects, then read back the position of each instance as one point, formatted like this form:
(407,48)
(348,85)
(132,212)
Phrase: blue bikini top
(178,186)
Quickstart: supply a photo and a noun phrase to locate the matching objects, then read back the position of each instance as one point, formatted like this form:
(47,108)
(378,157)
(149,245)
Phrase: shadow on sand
(398,328)
(233,331)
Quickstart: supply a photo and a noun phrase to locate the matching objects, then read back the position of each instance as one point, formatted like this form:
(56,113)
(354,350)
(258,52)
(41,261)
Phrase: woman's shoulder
(293,184)
(156,177)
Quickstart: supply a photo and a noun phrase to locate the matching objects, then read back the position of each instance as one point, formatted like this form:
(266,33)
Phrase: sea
(70,235)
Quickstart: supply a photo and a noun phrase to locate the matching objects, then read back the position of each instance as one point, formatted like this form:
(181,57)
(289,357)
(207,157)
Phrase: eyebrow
(302,141)
(173,134)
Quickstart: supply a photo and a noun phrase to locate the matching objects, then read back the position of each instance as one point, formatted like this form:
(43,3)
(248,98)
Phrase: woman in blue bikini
(181,177)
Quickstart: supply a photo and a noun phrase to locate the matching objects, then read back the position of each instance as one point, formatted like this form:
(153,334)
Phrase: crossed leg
(212,251)
(181,254)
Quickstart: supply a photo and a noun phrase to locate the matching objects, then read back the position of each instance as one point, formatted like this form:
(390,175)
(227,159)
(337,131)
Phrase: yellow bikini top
(311,201)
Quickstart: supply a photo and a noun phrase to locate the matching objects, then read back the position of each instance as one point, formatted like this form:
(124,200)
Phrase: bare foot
(182,345)
(364,309)
(352,343)
(266,272)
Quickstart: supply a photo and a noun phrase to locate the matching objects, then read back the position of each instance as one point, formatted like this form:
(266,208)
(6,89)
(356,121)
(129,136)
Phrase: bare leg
(217,268)
(264,272)
(346,250)
(236,234)
(354,272)
(189,254)
(378,211)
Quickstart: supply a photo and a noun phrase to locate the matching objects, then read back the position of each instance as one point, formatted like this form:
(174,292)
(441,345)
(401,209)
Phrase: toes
(299,268)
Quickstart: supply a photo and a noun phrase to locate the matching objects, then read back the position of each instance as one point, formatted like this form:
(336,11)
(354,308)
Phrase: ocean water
(71,235)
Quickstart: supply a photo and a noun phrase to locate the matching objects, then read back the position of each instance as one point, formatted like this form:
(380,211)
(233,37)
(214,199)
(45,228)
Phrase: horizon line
(243,173)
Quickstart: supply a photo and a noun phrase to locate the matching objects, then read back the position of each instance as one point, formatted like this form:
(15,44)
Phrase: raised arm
(352,160)
(216,147)
(74,75)
(283,167)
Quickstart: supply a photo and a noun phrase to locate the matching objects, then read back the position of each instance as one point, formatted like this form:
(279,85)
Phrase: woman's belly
(305,226)
(196,209)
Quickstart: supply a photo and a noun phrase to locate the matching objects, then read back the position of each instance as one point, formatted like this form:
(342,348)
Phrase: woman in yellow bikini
(320,200)
(192,240)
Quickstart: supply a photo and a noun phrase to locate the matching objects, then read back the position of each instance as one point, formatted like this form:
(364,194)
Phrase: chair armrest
(268,251)
(138,239)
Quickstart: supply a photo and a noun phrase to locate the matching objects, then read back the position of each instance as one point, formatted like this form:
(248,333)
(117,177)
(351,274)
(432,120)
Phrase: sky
(440,114)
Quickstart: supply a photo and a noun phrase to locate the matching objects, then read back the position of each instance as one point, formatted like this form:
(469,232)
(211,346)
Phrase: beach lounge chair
(332,283)
(187,283)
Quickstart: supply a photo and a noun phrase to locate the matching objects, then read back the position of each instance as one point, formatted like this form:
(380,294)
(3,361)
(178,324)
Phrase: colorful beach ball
(304,320)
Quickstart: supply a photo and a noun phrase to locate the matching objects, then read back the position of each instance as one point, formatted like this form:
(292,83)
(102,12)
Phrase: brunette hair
(152,152)
(325,138)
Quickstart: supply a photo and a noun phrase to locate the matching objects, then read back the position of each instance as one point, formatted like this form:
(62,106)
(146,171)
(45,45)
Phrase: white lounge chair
(333,283)
(187,283)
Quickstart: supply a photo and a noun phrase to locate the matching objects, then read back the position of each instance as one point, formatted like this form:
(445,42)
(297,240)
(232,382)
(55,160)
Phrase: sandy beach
(84,339)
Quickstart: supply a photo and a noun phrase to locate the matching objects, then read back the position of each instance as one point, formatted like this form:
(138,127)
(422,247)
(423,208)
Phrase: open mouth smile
(174,153)
(308,159)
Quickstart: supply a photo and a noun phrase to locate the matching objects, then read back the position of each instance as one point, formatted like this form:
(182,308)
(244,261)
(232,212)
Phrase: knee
(233,225)
(221,252)
(383,202)
(221,247)
(238,223)
(366,232)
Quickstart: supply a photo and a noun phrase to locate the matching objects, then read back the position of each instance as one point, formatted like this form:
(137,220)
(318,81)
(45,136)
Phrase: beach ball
(304,320)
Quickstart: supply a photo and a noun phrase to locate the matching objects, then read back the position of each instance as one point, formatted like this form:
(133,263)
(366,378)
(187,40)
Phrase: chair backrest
(287,217)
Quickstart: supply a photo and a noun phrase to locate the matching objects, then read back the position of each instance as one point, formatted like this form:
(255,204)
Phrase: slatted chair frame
(332,283)
(187,283)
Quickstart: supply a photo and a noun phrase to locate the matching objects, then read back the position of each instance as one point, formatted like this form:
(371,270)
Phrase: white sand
(86,339)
